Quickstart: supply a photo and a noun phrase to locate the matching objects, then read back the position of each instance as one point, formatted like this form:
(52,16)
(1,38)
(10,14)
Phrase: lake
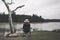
(38,26)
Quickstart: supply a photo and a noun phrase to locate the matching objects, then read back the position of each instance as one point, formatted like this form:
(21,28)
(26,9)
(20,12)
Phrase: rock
(7,34)
(13,35)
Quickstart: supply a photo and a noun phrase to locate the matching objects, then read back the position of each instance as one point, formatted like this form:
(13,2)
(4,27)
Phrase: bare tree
(10,12)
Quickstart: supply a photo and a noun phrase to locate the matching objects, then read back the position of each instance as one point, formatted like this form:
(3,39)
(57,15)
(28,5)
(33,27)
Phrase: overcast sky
(48,9)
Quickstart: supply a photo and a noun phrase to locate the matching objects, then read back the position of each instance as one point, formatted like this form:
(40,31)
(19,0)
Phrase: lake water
(38,26)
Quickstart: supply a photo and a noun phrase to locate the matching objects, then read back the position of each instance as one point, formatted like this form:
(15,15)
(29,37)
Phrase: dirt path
(14,38)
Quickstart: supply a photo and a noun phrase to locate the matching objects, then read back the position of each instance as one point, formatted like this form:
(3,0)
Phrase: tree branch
(10,3)
(6,5)
(18,7)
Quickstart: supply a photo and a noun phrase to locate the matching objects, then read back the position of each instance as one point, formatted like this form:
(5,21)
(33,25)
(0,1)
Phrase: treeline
(20,18)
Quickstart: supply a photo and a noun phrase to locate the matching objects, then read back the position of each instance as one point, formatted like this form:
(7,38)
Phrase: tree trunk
(10,18)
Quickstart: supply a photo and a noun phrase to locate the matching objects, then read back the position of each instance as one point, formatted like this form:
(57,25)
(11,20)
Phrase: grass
(41,35)
(44,35)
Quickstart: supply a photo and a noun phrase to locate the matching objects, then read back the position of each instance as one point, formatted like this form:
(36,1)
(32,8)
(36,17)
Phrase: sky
(48,9)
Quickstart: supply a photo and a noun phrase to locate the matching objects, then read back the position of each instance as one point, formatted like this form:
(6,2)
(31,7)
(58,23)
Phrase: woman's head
(26,21)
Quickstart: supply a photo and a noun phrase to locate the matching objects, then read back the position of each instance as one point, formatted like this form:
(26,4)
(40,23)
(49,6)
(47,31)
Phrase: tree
(10,12)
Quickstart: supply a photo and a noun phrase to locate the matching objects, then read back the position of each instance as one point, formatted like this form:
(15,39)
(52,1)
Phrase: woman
(26,26)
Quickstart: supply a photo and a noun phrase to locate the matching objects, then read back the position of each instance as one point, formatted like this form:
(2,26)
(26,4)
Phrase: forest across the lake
(20,18)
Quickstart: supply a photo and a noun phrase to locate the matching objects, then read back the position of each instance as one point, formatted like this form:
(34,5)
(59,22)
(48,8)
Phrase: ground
(37,35)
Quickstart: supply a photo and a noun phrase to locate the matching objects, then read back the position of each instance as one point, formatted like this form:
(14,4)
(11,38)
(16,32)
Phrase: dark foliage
(20,18)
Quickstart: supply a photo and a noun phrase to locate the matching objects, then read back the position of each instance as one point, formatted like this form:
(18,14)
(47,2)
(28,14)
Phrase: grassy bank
(44,35)
(38,35)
